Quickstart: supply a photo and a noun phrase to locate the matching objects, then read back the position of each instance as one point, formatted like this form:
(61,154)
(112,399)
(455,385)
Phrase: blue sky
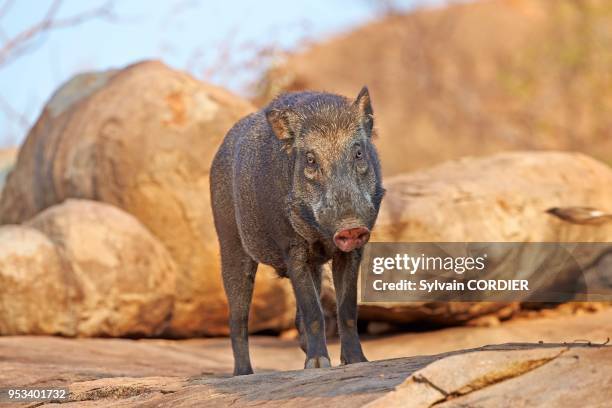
(186,34)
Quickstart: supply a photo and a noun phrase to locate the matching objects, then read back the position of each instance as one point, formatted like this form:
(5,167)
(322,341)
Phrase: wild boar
(293,186)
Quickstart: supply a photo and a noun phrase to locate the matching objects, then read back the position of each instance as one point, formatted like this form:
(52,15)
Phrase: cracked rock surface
(531,374)
(451,367)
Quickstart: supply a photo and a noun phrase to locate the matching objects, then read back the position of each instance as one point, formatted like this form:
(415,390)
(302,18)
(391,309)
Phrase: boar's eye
(311,170)
(360,161)
(310,159)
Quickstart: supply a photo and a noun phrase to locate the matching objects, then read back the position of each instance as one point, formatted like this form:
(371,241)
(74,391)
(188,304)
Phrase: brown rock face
(501,376)
(125,278)
(37,292)
(142,139)
(84,268)
(7,160)
(501,198)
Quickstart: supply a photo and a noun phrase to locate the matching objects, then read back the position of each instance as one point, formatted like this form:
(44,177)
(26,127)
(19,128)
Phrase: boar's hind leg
(345,267)
(299,323)
(301,273)
(238,271)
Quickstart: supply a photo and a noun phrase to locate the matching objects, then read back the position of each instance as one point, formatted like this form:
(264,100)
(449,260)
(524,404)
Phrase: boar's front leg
(238,271)
(299,323)
(345,267)
(301,273)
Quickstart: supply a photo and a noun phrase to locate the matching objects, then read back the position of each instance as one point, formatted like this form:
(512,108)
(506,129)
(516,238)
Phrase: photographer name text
(410,265)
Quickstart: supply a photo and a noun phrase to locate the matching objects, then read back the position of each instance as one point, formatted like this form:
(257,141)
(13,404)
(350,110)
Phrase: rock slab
(538,362)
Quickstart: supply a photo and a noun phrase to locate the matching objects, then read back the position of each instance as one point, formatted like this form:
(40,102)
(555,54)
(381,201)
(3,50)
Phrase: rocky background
(106,228)
(107,220)
(494,74)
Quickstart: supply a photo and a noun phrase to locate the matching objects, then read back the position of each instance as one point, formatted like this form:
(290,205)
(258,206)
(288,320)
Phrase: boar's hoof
(243,371)
(317,362)
(359,359)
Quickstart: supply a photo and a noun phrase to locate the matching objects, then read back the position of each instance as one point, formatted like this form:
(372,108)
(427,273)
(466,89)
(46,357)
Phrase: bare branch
(5,7)
(178,8)
(21,43)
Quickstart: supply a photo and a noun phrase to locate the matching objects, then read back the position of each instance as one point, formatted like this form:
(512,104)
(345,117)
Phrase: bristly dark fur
(284,181)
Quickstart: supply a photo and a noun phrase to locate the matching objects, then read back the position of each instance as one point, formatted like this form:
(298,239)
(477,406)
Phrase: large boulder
(84,268)
(37,292)
(125,278)
(501,198)
(142,139)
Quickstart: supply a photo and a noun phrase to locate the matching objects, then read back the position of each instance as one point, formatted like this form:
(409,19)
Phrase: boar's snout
(350,238)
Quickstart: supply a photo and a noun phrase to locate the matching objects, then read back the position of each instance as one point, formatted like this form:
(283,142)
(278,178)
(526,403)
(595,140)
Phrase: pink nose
(348,239)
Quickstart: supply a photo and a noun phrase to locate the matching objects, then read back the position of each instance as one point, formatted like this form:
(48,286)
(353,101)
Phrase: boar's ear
(364,107)
(284,123)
